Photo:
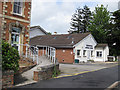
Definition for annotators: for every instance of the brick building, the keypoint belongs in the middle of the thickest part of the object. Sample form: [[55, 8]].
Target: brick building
[[66, 48], [15, 17]]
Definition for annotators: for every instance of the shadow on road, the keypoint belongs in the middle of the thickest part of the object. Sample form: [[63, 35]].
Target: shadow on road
[[19, 79]]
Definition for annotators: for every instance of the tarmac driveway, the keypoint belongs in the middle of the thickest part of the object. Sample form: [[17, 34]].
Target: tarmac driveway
[[98, 80], [72, 69]]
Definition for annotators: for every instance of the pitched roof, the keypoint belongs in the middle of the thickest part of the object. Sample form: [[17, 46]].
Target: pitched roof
[[38, 27], [103, 45], [58, 41]]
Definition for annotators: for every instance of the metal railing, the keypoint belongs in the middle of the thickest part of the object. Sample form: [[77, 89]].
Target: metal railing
[[30, 52], [49, 52], [33, 52]]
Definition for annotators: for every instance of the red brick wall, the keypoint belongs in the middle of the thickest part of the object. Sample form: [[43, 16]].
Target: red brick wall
[[9, 10], [60, 55], [67, 56], [40, 51], [8, 21], [7, 79]]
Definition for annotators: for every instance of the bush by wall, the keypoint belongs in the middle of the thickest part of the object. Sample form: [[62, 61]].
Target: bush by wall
[[10, 57]]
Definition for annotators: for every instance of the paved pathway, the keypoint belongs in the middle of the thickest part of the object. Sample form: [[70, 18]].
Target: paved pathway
[[66, 70], [27, 77], [71, 69]]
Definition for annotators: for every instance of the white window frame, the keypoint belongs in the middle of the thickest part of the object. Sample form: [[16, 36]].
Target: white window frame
[[19, 6], [99, 54], [16, 33]]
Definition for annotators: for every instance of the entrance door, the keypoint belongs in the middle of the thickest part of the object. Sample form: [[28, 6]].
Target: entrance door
[[15, 38]]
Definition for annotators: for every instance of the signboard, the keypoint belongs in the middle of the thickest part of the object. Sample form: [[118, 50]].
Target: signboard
[[89, 47]]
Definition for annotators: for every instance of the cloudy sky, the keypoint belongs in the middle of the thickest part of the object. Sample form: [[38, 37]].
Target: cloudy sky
[[55, 15]]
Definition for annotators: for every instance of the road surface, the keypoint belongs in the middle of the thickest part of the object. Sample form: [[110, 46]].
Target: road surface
[[97, 79]]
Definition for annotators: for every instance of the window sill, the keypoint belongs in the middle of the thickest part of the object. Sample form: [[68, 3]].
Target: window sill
[[78, 56], [99, 57], [17, 14]]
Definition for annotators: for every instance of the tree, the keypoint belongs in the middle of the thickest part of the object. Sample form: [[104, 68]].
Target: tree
[[114, 34], [80, 20], [99, 22], [10, 57], [49, 33]]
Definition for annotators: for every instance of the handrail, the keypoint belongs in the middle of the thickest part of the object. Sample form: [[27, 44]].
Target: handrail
[[32, 52]]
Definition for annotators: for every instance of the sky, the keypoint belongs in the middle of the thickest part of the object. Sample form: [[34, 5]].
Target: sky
[[55, 15]]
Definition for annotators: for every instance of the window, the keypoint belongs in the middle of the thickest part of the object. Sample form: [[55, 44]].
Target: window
[[84, 52], [99, 53], [15, 37], [78, 52], [17, 9]]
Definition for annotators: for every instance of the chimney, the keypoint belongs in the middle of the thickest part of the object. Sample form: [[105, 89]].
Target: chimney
[[55, 33]]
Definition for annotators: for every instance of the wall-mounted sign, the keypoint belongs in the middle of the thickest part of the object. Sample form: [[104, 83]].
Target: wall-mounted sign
[[89, 47]]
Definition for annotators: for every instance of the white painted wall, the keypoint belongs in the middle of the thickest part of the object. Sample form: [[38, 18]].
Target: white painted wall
[[89, 40], [35, 32], [99, 58], [105, 53]]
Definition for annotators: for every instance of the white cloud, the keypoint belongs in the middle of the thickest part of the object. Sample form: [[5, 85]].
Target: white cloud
[[51, 16], [112, 6], [55, 15]]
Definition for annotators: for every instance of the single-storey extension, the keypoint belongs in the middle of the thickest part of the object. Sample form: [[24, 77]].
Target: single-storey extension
[[71, 47]]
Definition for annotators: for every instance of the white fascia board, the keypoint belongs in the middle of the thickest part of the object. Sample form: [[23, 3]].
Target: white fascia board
[[84, 39]]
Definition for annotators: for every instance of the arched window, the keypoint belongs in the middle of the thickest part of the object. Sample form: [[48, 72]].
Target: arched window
[[15, 37]]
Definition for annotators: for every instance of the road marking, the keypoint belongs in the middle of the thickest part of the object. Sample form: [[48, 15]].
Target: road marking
[[83, 72]]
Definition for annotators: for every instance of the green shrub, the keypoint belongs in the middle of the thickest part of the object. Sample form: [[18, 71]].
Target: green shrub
[[55, 72], [90, 60], [10, 57]]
